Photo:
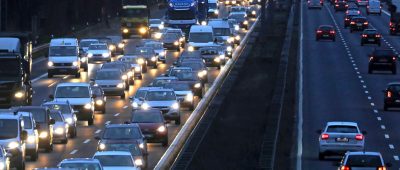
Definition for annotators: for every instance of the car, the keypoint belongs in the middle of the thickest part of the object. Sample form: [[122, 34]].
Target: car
[[136, 67], [171, 41], [137, 99], [240, 18], [68, 113], [391, 96], [382, 59], [160, 81], [111, 81], [152, 125], [363, 160], [5, 158], [340, 137], [148, 54], [166, 101], [212, 56], [325, 32], [374, 7], [348, 17], [111, 160], [159, 50], [13, 137], [127, 74], [180, 33], [358, 23], [100, 100], [64, 58], [253, 10], [80, 96], [370, 36], [340, 5], [200, 68], [194, 80], [45, 124], [234, 25], [222, 30], [60, 127], [122, 133], [237, 9], [117, 45], [315, 4], [85, 43], [351, 6], [171, 72], [111, 45], [32, 142], [98, 52], [184, 93], [80, 163], [156, 23]]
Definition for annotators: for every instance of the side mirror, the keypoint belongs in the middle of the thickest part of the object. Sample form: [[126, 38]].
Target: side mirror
[[130, 98], [364, 132], [52, 121], [37, 126], [97, 137], [92, 79], [51, 96], [175, 63], [319, 131], [388, 164], [94, 95], [24, 135]]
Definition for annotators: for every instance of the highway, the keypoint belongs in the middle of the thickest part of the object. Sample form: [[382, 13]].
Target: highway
[[117, 110], [336, 86]]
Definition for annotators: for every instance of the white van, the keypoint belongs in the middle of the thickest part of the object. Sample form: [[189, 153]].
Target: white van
[[63, 57], [374, 7], [200, 36]]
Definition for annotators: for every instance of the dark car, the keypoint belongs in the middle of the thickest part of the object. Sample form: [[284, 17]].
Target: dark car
[[325, 32], [199, 67], [100, 100], [45, 128], [391, 96], [212, 56], [148, 54], [370, 36], [358, 23], [340, 5], [171, 41], [348, 17], [194, 80], [351, 6], [152, 124], [127, 76], [382, 59], [363, 160]]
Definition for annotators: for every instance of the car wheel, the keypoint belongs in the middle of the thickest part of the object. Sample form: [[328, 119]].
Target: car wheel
[[49, 148], [178, 121], [90, 121], [165, 142], [321, 156]]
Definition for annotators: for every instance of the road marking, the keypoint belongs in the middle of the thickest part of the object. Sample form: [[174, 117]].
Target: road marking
[[372, 104], [366, 92], [117, 114], [375, 111], [396, 157], [387, 136], [383, 127], [86, 141], [38, 60], [98, 131], [52, 84], [360, 77], [369, 98], [300, 96], [125, 107], [65, 77], [108, 122], [379, 118], [391, 146], [38, 78], [73, 152], [364, 86]]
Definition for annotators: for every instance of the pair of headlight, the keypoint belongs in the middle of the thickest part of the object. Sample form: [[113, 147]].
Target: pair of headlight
[[51, 64]]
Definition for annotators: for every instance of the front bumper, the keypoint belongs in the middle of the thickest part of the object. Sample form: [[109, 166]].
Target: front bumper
[[63, 70], [114, 91], [155, 137]]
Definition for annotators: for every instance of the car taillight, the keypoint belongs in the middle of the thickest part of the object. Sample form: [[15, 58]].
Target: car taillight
[[377, 35], [371, 58], [381, 168], [346, 19], [336, 5], [390, 24], [393, 58], [367, 6], [345, 168], [324, 136], [358, 12], [352, 22], [365, 23], [319, 31], [332, 32], [346, 7], [364, 35], [389, 94], [359, 137]]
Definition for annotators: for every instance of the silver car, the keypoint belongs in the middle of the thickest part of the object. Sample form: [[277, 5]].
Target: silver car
[[68, 113], [139, 96], [60, 128], [98, 52], [136, 68], [340, 137], [32, 142], [80, 163], [110, 80], [159, 50]]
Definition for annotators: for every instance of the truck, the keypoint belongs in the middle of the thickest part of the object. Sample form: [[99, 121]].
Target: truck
[[181, 14], [394, 24], [135, 16], [15, 69]]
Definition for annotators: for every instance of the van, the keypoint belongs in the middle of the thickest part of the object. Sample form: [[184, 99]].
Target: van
[[63, 57], [212, 9], [374, 7], [201, 36]]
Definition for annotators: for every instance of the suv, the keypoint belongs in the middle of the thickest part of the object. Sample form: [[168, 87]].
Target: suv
[[366, 160], [340, 137], [32, 142], [68, 112], [13, 136], [110, 80], [391, 96], [382, 59], [80, 96]]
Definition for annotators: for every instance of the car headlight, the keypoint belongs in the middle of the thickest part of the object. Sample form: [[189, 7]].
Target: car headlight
[[221, 56], [233, 2], [59, 130], [130, 74], [124, 77], [237, 27], [253, 12], [162, 53], [197, 85], [191, 48], [229, 49], [203, 23], [68, 120], [176, 43], [141, 145], [237, 37], [153, 58], [189, 97], [138, 162], [19, 95], [121, 45], [87, 106], [90, 55], [161, 129], [216, 12], [125, 30], [140, 61], [230, 39], [217, 59], [102, 146], [181, 39], [111, 47], [99, 102], [13, 145], [31, 139], [135, 105], [120, 85], [142, 30], [145, 106], [43, 135], [106, 55], [137, 69], [50, 64], [75, 63], [175, 106], [161, 26], [245, 22], [158, 35], [83, 59], [200, 74]]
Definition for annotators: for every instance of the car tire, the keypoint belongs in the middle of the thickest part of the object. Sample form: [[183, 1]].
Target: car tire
[[123, 96], [73, 133], [90, 121], [78, 75], [49, 148], [164, 143], [178, 121], [33, 156], [321, 156]]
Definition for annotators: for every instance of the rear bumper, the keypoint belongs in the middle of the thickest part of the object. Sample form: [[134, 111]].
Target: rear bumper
[[113, 92], [339, 149]]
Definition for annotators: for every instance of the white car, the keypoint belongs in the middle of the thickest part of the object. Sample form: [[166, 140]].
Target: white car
[[158, 49], [32, 142], [98, 52], [112, 160], [85, 43], [363, 160], [60, 127]]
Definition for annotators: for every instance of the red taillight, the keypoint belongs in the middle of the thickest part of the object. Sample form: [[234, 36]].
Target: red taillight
[[364, 35], [352, 22], [336, 5], [346, 7], [319, 31], [365, 23], [324, 136], [393, 58], [390, 24], [389, 94], [346, 19], [332, 32], [371, 58], [359, 137], [377, 35], [358, 12], [381, 168], [344, 168], [358, 0]]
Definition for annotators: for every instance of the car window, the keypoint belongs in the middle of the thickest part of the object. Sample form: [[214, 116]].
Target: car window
[[160, 96], [325, 28], [72, 92], [27, 122], [147, 118], [108, 75], [122, 133], [342, 129], [363, 161], [178, 86], [186, 76], [132, 148], [38, 114], [140, 93], [81, 166], [97, 47], [194, 66], [112, 66], [63, 108], [56, 116], [161, 82], [115, 160], [87, 43], [8, 128]]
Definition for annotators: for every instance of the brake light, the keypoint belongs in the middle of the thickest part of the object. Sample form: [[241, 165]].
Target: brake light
[[359, 137], [364, 35], [324, 136], [346, 19], [367, 6], [346, 7], [378, 35], [381, 168], [390, 24], [319, 31], [393, 58], [336, 5], [365, 23], [352, 22], [371, 58], [389, 94], [332, 32], [358, 12], [344, 168]]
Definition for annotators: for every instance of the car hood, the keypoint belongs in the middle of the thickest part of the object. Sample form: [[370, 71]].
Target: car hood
[[75, 101], [119, 141], [118, 167], [58, 125], [169, 40], [63, 59], [154, 25], [108, 82], [161, 103], [182, 93], [97, 51]]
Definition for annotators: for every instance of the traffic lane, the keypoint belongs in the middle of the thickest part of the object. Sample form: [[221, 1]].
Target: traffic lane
[[330, 90]]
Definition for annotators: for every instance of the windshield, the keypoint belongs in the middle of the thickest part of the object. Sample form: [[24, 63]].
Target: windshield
[[27, 122], [238, 17], [182, 76], [132, 148], [147, 118], [63, 51], [178, 86], [364, 161], [38, 114], [160, 96], [115, 160], [170, 36], [129, 59], [56, 116], [212, 5], [113, 65], [140, 93], [153, 45], [81, 166], [160, 82], [87, 43], [63, 108], [143, 51], [122, 133], [181, 14], [98, 47], [135, 13], [155, 21], [342, 129], [194, 66], [222, 31], [9, 69], [201, 37], [175, 72], [72, 92], [8, 128], [108, 75]]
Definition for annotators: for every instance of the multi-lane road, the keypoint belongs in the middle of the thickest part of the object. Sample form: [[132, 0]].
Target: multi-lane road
[[336, 86]]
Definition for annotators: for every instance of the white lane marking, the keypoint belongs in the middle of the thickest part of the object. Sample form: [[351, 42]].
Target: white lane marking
[[300, 99], [98, 131], [369, 98], [65, 77], [383, 127], [366, 92], [117, 114], [372, 104], [396, 157], [362, 81], [108, 122], [38, 78], [387, 136], [379, 118], [38, 60], [375, 111], [358, 72], [73, 152], [391, 146], [360, 77], [125, 107], [86, 141], [52, 84], [364, 86]]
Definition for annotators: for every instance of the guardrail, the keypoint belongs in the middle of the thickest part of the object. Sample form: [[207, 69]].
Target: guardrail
[[40, 47], [177, 144]]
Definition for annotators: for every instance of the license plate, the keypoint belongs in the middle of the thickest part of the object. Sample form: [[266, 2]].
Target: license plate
[[63, 70], [342, 139], [325, 35], [148, 136], [383, 60], [359, 25], [371, 40]]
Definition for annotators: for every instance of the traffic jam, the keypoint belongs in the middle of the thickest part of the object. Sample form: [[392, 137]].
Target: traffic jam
[[115, 101]]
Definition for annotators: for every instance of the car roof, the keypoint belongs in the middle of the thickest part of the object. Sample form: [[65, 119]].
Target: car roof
[[147, 88], [8, 114], [73, 84], [393, 83], [109, 69], [218, 23], [160, 89], [166, 78], [64, 42], [112, 153], [364, 153], [342, 123], [80, 160]]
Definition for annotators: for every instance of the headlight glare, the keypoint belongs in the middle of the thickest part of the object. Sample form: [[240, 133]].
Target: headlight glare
[[120, 85], [191, 48], [135, 105], [125, 30], [124, 77], [50, 64], [90, 54], [189, 97], [197, 85], [19, 95], [59, 131], [121, 45], [106, 55], [145, 106], [175, 106], [176, 43], [99, 102], [161, 129], [75, 63], [88, 106], [142, 30], [153, 58], [43, 135], [68, 120], [138, 162], [31, 139], [102, 146], [13, 145]]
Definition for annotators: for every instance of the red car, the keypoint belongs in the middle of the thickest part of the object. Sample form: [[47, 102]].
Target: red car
[[325, 32], [152, 125]]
